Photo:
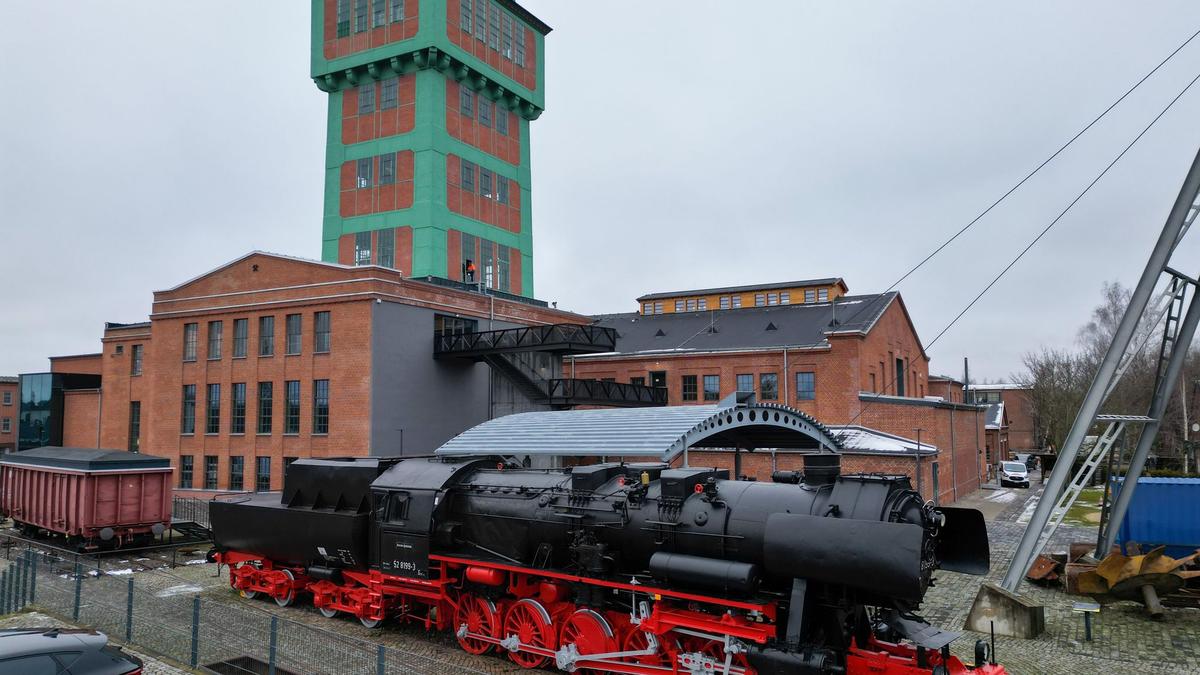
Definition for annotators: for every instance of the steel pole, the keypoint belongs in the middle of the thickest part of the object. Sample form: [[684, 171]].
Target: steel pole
[[1159, 257], [1158, 407]]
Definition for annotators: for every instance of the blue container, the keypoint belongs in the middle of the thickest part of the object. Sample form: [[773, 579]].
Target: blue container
[[1163, 511]]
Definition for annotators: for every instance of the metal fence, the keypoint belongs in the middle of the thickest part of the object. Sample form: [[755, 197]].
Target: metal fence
[[164, 614]]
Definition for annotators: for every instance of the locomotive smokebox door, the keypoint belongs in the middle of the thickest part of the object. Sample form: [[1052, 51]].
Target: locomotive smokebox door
[[403, 548]]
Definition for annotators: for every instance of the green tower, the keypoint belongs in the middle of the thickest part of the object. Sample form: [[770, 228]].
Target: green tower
[[427, 159]]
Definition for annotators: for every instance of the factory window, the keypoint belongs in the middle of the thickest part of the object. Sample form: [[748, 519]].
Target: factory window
[[453, 325], [185, 471], [190, 331], [465, 13], [210, 472], [364, 170], [266, 336], [768, 386], [712, 387], [745, 382], [679, 305], [485, 182], [8, 397], [378, 13], [320, 407], [466, 100], [188, 418], [810, 295], [485, 112], [772, 298], [343, 18], [216, 334], [760, 300], [237, 472], [702, 304], [397, 10], [469, 251], [291, 409], [212, 412], [737, 301], [519, 57], [266, 406], [387, 248], [640, 381], [689, 387], [6, 425], [503, 258], [237, 408], [135, 425], [899, 377], [823, 295], [387, 169], [262, 474], [137, 352], [725, 302], [658, 308], [366, 98], [489, 263], [467, 179], [389, 93], [362, 248], [481, 8], [360, 15], [293, 324], [502, 121], [494, 25], [322, 326], [658, 379], [872, 377], [241, 335], [806, 386], [501, 189], [506, 44], [647, 308], [691, 304], [785, 298]]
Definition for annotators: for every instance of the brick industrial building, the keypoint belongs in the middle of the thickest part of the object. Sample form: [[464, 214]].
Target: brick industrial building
[[1019, 425], [10, 399]]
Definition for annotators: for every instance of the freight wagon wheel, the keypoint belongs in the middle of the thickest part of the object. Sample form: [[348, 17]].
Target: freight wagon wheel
[[636, 640], [530, 622], [287, 600], [479, 615], [590, 633]]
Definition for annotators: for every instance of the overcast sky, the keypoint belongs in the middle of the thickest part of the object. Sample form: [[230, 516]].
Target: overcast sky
[[684, 144]]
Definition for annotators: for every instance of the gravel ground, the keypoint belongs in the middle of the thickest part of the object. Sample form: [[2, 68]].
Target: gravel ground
[[152, 666]]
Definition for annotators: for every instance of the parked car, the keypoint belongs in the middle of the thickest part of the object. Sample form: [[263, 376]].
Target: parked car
[[1014, 473], [54, 651]]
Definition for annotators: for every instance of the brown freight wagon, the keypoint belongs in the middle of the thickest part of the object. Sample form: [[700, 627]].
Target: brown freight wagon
[[92, 497]]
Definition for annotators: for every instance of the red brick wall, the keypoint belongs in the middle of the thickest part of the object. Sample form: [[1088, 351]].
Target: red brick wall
[[121, 386], [356, 201], [88, 364], [470, 131], [951, 390], [526, 76], [8, 441], [471, 204], [358, 128], [81, 409], [1022, 434], [404, 251], [336, 47]]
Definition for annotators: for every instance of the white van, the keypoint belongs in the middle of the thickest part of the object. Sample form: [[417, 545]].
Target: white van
[[1014, 473]]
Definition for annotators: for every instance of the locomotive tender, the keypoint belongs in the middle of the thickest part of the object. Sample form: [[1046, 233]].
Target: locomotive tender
[[612, 567]]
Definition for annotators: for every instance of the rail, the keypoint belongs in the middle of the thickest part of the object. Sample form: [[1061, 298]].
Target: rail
[[563, 338]]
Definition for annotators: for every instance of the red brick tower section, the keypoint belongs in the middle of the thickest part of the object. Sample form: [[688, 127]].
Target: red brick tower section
[[10, 403]]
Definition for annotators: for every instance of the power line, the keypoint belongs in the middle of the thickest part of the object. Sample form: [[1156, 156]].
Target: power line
[[1036, 169], [1045, 230]]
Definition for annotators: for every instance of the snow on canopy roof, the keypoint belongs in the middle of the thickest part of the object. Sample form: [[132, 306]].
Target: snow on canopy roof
[[664, 431], [858, 439], [994, 416]]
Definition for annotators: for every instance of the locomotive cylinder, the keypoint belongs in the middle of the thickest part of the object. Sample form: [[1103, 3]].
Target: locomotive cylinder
[[717, 575]]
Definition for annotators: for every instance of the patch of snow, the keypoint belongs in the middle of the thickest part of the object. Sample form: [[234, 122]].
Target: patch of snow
[[200, 561], [118, 573], [1003, 496], [1027, 514], [177, 590]]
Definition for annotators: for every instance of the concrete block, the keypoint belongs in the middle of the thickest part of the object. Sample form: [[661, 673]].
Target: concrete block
[[1009, 614]]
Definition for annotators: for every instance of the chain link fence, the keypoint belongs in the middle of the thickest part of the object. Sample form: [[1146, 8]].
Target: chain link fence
[[165, 614]]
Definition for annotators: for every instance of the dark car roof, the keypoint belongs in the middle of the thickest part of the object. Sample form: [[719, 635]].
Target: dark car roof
[[27, 641]]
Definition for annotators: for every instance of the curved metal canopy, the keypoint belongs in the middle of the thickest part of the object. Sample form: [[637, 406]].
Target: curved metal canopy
[[664, 432]]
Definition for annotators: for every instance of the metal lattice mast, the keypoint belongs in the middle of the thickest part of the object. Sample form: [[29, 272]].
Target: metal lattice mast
[[1182, 213]]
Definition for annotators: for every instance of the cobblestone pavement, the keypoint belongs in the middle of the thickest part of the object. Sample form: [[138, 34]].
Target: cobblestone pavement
[[1124, 640], [151, 665]]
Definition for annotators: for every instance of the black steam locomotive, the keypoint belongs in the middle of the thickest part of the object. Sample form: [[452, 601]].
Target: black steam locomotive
[[629, 568]]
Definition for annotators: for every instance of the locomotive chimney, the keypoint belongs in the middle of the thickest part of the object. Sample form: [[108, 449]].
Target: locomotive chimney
[[821, 469]]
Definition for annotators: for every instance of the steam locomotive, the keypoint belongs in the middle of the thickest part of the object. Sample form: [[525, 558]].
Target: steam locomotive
[[613, 567]]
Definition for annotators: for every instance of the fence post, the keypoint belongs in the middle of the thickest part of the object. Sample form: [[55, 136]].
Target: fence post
[[381, 666], [274, 645], [195, 631], [33, 579], [4, 591], [129, 611], [24, 591], [19, 586], [78, 589]]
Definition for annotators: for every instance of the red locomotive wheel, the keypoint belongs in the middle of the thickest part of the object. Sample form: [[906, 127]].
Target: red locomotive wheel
[[288, 598], [716, 650], [635, 641], [249, 595], [589, 632], [479, 615], [530, 622]]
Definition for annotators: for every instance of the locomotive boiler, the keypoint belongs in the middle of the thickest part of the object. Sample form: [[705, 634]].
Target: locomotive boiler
[[631, 568]]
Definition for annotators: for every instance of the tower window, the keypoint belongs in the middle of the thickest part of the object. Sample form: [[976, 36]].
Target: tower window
[[466, 100], [387, 169], [397, 10], [502, 121], [378, 13], [389, 94], [494, 33], [362, 248], [502, 189], [366, 167], [467, 179], [503, 257], [506, 47], [387, 248], [465, 12], [481, 9], [360, 15], [485, 112], [343, 18], [519, 57], [485, 182], [366, 98]]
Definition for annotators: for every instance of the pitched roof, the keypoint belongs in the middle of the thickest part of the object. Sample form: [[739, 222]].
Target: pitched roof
[[8, 379], [745, 289], [994, 416], [750, 328], [860, 439]]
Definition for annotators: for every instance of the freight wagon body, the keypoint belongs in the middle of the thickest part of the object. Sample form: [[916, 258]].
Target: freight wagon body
[[92, 497]]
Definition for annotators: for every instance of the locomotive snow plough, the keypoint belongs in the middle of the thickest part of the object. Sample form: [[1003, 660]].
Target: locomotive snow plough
[[612, 567]]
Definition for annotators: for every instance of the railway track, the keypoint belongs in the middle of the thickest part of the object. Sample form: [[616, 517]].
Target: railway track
[[171, 551]]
